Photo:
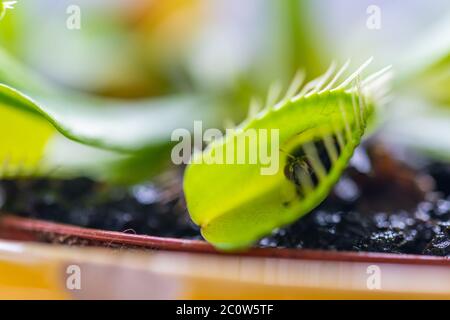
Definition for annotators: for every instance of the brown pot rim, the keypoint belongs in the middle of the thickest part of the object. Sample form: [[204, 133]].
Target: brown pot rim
[[19, 228]]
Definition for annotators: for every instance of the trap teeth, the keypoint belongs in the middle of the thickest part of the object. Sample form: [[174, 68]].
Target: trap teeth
[[340, 139], [322, 84], [323, 80], [356, 112], [336, 77], [254, 108], [361, 103], [314, 160], [307, 88], [348, 132], [273, 95], [376, 75], [330, 145], [353, 76], [294, 86]]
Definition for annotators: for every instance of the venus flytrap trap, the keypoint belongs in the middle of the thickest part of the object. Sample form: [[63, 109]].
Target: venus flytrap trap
[[319, 125]]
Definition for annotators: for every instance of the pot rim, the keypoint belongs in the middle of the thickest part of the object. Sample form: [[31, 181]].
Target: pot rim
[[28, 229]]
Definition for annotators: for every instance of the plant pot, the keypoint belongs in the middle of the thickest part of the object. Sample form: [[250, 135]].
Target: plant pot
[[25, 229], [202, 272]]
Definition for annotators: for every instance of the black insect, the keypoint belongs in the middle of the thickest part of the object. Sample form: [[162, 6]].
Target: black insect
[[299, 167]]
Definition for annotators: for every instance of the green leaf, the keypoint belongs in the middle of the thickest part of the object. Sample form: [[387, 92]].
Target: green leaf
[[132, 141], [235, 204], [110, 124], [419, 125], [133, 137], [421, 118], [24, 137], [426, 67], [32, 146]]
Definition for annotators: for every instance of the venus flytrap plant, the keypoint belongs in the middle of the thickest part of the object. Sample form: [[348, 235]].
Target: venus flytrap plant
[[320, 125]]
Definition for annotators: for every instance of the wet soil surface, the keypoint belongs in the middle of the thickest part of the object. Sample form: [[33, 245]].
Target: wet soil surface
[[387, 201]]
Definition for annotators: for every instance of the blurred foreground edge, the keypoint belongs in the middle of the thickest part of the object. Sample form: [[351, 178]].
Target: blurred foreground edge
[[114, 265]]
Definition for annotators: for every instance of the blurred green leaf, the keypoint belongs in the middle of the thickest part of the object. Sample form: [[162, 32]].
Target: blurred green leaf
[[419, 116], [426, 66], [420, 125], [137, 132]]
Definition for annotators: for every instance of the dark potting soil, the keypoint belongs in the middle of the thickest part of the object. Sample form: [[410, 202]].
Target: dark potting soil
[[141, 209], [379, 205]]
